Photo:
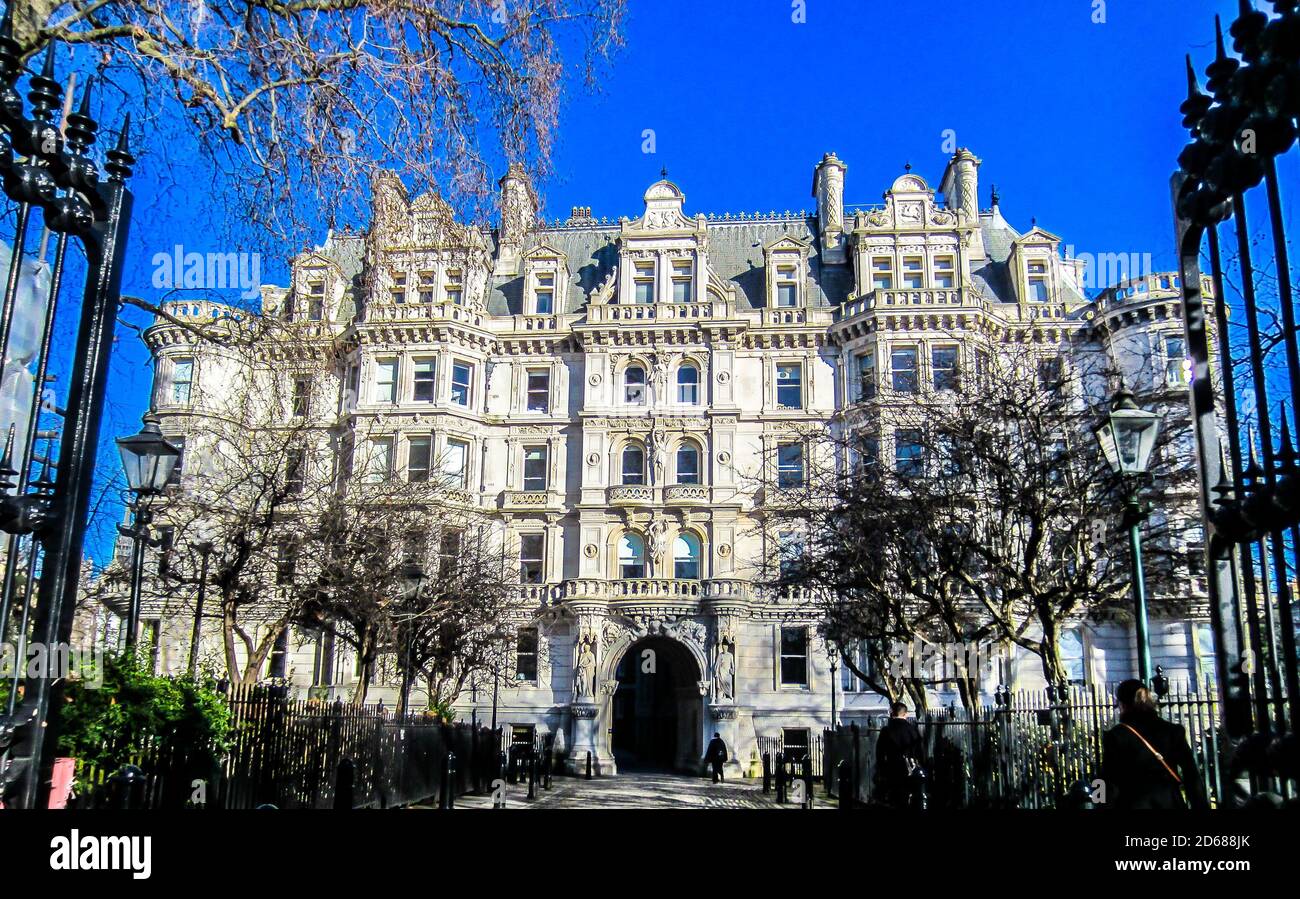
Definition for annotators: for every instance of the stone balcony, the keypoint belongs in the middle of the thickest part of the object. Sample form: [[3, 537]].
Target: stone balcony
[[422, 312], [531, 499], [629, 495], [655, 312], [686, 494], [676, 591]]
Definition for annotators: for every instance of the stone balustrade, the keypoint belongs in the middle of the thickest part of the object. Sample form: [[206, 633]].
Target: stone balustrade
[[420, 312], [686, 494], [629, 495]]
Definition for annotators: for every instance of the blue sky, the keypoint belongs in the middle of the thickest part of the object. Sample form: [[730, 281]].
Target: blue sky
[[1076, 122]]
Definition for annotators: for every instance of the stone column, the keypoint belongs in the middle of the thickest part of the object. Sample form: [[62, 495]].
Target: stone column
[[588, 695]]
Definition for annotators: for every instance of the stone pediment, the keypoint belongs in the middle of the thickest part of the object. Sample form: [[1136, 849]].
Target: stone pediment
[[909, 205], [1036, 235], [663, 210]]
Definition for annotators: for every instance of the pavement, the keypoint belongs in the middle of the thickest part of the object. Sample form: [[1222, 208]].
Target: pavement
[[638, 790]]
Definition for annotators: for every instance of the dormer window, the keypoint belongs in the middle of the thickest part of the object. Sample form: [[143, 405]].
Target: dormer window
[[426, 287], [634, 385], [399, 287], [455, 289], [882, 273], [644, 282], [787, 286], [944, 272], [913, 273], [544, 295], [682, 281], [316, 305], [1038, 282]]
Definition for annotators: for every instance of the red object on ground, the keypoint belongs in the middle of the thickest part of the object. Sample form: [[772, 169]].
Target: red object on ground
[[61, 783]]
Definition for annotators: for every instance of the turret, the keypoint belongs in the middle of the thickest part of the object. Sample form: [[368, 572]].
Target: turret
[[828, 188], [518, 204]]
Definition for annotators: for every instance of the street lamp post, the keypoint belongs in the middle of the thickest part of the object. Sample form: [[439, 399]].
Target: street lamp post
[[1127, 437], [148, 460], [205, 550]]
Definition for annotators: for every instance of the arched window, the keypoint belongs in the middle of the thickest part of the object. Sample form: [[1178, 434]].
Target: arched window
[[688, 463], [631, 556], [688, 385], [633, 464], [634, 385], [686, 557]]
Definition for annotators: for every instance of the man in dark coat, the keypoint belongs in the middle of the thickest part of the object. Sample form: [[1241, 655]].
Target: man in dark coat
[[1146, 762], [716, 755], [899, 750]]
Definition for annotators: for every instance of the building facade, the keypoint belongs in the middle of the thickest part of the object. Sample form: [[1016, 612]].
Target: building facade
[[613, 394]]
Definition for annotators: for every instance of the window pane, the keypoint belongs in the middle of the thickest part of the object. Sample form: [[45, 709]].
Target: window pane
[[631, 556], [789, 386], [386, 381], [539, 391], [453, 463], [424, 380], [909, 454], [902, 364], [534, 468], [688, 385], [531, 555], [789, 465], [634, 385], [461, 372], [686, 557], [418, 458], [688, 465], [794, 656], [866, 376], [943, 365], [633, 465], [182, 379]]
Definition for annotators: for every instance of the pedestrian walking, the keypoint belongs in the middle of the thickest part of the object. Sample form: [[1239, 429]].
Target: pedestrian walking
[[1146, 761], [899, 754], [716, 755]]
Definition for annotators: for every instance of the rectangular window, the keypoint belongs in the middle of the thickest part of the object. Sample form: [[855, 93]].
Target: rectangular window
[[634, 385], [882, 273], [166, 543], [455, 290], [1038, 282], [179, 469], [532, 558], [449, 549], [943, 367], [1050, 373], [868, 453], [399, 288], [794, 656], [794, 743], [301, 397], [526, 654], [539, 390], [644, 282], [913, 273], [867, 376], [789, 386], [426, 287], [454, 467], [295, 471], [787, 287], [386, 381], [789, 465], [1073, 655], [419, 459], [535, 465], [1177, 366], [316, 307], [379, 464], [909, 453], [902, 368], [943, 272], [849, 681], [789, 550], [462, 374], [424, 380], [182, 381], [682, 282], [286, 563], [544, 297]]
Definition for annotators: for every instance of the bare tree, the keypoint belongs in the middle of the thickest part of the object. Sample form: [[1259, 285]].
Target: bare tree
[[292, 107], [981, 511]]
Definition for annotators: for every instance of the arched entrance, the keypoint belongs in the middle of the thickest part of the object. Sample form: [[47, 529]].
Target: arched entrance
[[655, 722]]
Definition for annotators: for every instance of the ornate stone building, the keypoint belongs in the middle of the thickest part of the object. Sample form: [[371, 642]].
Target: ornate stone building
[[610, 393]]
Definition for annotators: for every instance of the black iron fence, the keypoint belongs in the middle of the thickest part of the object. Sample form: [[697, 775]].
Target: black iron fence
[[305, 754], [795, 750], [1250, 476], [1038, 752]]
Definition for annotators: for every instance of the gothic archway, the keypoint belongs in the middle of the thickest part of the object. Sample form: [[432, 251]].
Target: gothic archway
[[656, 714]]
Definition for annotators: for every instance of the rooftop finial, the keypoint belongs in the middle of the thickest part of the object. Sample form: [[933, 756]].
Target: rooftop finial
[[663, 173], [907, 167], [995, 196]]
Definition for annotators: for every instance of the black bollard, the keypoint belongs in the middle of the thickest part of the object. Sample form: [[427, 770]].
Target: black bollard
[[780, 778], [807, 782], [588, 765], [344, 781], [842, 784], [548, 763], [767, 773]]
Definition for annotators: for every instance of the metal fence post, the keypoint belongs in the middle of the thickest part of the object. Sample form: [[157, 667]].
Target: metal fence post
[[767, 773], [588, 764], [344, 783]]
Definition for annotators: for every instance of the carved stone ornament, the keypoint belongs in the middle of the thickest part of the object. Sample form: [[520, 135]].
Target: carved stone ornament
[[593, 459], [724, 549], [724, 377], [590, 550], [724, 457], [583, 710], [723, 712], [594, 378]]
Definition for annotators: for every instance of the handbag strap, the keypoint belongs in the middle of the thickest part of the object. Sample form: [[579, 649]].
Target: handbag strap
[[1159, 758]]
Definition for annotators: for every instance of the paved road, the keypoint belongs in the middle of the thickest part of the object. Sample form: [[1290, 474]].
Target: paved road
[[637, 790]]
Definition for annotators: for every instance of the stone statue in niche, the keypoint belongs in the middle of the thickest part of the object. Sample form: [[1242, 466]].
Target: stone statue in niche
[[724, 673], [584, 670], [655, 541], [659, 454]]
